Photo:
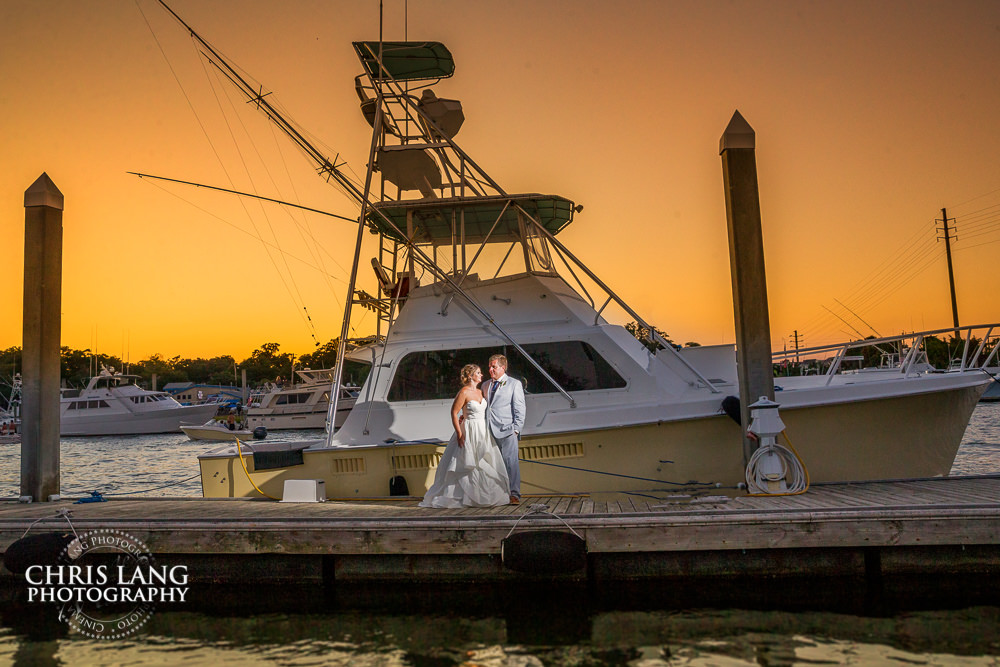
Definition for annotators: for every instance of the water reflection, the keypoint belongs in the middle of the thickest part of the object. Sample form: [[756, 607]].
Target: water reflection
[[615, 638], [504, 625]]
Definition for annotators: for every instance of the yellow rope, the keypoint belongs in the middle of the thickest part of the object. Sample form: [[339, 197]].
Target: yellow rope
[[239, 451]]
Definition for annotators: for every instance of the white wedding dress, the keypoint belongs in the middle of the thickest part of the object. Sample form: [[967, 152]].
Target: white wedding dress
[[473, 475]]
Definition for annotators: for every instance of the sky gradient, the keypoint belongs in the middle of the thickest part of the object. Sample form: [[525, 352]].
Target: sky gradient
[[870, 117]]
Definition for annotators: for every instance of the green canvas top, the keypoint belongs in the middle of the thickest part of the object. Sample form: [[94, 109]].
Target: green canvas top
[[432, 218], [407, 61]]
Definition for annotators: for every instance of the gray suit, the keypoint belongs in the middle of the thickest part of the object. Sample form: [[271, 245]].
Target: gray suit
[[505, 416]]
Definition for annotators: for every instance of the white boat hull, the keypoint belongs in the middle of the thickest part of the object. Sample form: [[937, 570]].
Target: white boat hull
[[908, 436], [275, 421], [139, 423], [287, 421], [213, 432]]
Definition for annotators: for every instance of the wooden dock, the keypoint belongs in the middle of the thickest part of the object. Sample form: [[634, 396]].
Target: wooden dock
[[947, 525]]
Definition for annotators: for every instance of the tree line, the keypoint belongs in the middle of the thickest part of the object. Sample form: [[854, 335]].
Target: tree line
[[265, 364]]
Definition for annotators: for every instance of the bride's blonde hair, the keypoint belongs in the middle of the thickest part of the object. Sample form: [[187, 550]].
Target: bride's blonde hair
[[467, 371]]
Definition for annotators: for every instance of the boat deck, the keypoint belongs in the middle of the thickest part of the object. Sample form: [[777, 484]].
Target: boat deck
[[929, 525]]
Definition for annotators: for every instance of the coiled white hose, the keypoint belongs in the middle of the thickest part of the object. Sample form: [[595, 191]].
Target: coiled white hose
[[793, 471]]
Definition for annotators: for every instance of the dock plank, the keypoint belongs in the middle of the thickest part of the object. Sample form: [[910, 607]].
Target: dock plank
[[974, 491], [560, 506], [947, 512], [927, 493], [836, 497]]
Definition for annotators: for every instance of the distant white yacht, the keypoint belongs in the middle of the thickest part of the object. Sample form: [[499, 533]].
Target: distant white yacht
[[301, 405], [113, 404]]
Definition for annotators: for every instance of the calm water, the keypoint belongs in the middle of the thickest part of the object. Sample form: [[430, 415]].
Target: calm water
[[804, 624]]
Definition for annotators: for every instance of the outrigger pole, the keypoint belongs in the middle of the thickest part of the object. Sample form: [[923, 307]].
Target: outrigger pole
[[258, 97], [242, 194]]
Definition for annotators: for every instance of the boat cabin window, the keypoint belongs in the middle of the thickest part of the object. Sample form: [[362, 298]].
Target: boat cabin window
[[147, 398], [86, 405], [291, 399], [355, 373], [575, 365]]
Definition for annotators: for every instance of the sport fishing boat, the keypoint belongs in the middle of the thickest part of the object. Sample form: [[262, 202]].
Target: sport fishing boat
[[466, 269], [114, 404]]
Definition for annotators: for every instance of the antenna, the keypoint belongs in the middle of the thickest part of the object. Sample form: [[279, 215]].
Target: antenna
[[859, 317], [861, 335]]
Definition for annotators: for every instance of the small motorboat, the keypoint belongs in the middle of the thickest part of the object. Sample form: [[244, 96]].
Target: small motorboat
[[218, 430]]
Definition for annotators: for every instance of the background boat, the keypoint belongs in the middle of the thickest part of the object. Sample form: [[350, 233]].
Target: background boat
[[113, 404], [217, 430], [304, 404]]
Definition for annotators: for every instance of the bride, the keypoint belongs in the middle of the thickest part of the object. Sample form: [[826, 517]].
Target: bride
[[471, 472]]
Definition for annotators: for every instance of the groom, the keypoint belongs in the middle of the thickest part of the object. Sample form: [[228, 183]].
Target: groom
[[506, 418]]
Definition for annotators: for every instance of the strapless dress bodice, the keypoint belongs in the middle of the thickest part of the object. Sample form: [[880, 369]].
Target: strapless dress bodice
[[475, 410]]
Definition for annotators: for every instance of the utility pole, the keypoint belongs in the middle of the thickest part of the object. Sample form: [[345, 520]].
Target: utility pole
[[951, 271], [795, 339]]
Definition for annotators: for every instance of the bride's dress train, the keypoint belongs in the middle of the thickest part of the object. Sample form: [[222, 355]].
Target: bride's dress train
[[473, 475]]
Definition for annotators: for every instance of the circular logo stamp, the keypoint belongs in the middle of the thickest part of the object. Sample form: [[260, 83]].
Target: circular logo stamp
[[105, 583], [104, 591]]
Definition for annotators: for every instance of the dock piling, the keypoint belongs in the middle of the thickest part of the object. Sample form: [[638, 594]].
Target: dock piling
[[43, 208], [746, 260]]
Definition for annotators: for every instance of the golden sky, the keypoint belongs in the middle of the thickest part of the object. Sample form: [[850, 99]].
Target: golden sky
[[870, 117]]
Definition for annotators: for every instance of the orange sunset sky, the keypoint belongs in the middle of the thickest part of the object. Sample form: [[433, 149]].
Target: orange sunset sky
[[870, 117]]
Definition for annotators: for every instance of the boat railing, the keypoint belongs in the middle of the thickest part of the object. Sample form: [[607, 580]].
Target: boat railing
[[977, 349], [696, 377]]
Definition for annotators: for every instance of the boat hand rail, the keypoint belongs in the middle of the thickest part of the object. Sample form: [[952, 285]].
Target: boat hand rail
[[657, 338], [597, 315], [421, 257], [479, 250], [580, 284], [967, 361]]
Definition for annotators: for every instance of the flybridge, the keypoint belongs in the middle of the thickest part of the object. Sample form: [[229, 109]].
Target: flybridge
[[458, 204]]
